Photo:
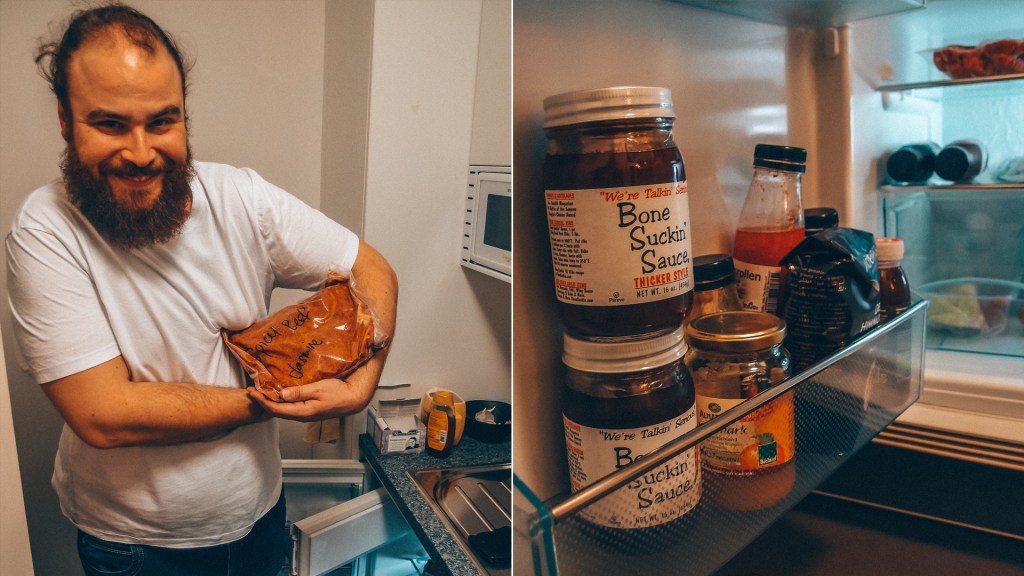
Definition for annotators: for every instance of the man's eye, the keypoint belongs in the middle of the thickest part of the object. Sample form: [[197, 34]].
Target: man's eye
[[109, 125], [160, 123]]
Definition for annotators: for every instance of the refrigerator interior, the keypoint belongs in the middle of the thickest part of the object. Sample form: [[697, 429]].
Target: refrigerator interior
[[741, 80], [965, 241]]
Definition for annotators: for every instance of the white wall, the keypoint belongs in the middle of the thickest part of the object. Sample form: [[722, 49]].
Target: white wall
[[453, 324], [258, 100], [14, 544]]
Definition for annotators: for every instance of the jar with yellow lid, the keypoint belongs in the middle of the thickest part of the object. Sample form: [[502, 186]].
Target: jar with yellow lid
[[733, 356]]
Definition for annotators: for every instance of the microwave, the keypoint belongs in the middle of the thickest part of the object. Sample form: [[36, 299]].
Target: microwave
[[487, 228]]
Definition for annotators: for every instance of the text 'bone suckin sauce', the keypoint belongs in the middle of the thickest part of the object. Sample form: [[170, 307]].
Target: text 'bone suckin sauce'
[[623, 400], [618, 212]]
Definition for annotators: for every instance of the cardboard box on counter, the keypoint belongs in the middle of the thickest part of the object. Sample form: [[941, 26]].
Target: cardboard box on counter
[[395, 426]]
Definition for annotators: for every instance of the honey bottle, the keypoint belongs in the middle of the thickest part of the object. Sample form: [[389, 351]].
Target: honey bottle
[[441, 424]]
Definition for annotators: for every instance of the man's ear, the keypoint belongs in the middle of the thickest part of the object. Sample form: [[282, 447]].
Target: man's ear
[[63, 118]]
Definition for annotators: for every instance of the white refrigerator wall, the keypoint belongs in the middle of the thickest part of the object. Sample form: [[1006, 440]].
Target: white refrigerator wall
[[271, 101], [729, 90]]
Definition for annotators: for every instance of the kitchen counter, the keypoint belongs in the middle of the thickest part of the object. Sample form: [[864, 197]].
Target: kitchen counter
[[392, 472]]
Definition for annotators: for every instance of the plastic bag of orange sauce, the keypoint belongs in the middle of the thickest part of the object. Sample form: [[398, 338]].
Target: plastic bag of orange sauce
[[327, 335]]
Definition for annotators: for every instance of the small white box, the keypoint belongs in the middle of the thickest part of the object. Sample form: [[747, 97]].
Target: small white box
[[395, 427]]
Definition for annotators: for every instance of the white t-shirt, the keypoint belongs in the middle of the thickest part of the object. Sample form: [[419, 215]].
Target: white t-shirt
[[78, 302]]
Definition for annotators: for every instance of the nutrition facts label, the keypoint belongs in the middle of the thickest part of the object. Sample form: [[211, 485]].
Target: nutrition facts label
[[613, 246]]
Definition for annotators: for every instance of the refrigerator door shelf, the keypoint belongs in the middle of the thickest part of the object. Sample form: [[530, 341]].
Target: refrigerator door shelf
[[842, 402], [804, 14], [337, 526]]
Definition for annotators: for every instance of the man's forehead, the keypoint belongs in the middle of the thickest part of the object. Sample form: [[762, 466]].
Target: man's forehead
[[112, 63], [113, 41]]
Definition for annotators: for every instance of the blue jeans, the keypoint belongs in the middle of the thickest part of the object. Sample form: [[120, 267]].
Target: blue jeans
[[259, 553]]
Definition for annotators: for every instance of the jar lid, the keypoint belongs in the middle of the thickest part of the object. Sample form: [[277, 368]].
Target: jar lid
[[818, 219], [713, 271], [622, 356], [789, 158], [736, 331], [615, 103], [889, 249]]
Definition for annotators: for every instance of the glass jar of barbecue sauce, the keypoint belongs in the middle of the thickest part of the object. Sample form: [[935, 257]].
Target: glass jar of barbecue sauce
[[618, 212], [622, 401]]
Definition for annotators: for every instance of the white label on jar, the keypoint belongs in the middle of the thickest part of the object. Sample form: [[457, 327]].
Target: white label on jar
[[658, 496], [617, 246], [758, 286]]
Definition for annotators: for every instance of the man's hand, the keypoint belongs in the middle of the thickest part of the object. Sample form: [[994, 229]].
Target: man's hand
[[320, 400]]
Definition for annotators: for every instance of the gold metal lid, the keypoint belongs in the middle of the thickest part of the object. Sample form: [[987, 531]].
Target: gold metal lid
[[735, 331]]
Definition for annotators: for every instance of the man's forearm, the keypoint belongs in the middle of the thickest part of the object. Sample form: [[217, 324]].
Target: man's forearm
[[156, 413], [107, 410]]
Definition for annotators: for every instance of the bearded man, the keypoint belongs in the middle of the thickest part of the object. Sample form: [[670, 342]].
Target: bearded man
[[122, 275]]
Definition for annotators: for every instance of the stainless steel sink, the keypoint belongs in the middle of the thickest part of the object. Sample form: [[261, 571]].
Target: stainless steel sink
[[472, 502]]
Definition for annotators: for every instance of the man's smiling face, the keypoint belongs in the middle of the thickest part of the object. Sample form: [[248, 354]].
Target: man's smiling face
[[127, 166]]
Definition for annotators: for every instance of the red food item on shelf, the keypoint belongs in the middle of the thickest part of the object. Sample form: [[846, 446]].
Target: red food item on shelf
[[992, 58]]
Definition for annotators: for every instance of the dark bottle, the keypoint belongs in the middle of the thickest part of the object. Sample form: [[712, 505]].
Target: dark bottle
[[913, 163], [818, 219], [961, 161], [894, 290], [617, 212]]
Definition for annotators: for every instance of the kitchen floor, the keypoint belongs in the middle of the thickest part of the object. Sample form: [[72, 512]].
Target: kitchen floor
[[824, 536]]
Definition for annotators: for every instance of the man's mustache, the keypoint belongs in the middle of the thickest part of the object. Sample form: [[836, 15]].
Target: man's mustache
[[129, 170]]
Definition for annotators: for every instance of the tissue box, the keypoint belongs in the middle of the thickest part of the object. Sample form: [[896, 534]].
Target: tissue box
[[395, 427]]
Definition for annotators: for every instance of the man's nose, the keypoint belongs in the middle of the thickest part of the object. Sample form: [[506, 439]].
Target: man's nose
[[138, 150]]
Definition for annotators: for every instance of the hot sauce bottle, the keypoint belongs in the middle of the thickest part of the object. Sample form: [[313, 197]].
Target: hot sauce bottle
[[617, 212], [771, 224]]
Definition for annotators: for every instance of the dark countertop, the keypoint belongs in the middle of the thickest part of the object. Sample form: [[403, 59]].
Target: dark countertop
[[392, 471]]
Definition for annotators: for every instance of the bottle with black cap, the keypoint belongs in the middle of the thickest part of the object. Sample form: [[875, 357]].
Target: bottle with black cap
[[771, 224], [913, 163], [714, 288], [819, 219], [961, 161]]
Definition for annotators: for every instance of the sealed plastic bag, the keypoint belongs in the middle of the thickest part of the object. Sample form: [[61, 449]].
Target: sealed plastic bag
[[831, 293], [327, 335]]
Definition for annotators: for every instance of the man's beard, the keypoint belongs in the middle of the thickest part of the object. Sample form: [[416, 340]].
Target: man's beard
[[123, 226]]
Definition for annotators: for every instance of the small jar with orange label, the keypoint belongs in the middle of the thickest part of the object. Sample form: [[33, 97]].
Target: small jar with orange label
[[733, 356]]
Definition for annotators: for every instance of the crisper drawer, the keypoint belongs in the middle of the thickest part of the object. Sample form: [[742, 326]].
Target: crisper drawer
[[841, 403]]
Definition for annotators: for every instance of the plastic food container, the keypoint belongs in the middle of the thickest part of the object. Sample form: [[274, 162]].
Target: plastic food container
[[427, 402], [971, 306], [992, 58]]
